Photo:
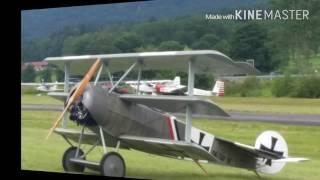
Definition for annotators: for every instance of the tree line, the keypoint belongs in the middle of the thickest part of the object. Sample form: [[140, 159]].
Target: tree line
[[274, 45]]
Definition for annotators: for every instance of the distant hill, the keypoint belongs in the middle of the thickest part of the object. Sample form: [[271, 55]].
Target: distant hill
[[42, 22]]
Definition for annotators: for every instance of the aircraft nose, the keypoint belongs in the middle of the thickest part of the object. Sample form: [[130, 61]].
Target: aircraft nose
[[79, 113]]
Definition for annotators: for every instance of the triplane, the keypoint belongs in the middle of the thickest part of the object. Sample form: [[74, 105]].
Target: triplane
[[143, 122]]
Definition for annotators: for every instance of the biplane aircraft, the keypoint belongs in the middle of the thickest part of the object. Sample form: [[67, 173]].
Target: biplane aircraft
[[144, 122]]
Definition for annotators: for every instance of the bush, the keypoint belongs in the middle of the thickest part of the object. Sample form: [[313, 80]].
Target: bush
[[232, 88], [281, 86], [303, 87], [306, 87], [250, 87], [287, 86]]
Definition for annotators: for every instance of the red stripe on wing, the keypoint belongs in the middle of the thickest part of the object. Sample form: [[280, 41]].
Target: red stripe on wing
[[170, 127]]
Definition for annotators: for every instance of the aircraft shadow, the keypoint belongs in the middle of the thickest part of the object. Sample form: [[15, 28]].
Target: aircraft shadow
[[189, 175]]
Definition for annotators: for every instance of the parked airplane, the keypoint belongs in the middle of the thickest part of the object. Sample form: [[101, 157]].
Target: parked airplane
[[149, 86], [174, 87], [143, 122], [217, 90], [45, 86], [48, 88]]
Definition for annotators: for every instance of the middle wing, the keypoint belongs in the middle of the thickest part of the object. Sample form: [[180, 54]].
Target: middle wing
[[62, 96], [177, 104]]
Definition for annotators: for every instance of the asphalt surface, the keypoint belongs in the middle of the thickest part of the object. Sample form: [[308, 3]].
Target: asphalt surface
[[298, 119]]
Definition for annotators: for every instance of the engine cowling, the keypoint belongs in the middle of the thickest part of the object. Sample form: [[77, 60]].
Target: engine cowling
[[273, 142], [79, 113]]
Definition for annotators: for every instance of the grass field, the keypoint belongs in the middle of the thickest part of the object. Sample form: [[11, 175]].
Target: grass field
[[38, 154], [250, 104], [270, 104], [34, 99], [42, 155]]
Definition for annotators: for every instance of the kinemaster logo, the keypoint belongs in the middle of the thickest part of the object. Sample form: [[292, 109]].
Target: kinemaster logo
[[259, 14]]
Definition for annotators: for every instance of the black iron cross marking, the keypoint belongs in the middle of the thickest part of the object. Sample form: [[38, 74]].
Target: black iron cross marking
[[273, 144], [200, 141]]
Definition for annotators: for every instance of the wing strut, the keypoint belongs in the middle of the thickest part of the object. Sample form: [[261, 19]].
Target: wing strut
[[66, 90], [139, 77], [98, 75], [203, 169], [123, 76], [188, 109], [110, 77]]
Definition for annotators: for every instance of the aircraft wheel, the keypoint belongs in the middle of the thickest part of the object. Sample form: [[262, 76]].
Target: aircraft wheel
[[69, 166], [112, 164]]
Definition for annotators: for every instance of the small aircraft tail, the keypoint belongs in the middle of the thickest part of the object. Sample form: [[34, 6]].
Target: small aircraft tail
[[273, 142], [55, 87], [176, 80], [218, 88]]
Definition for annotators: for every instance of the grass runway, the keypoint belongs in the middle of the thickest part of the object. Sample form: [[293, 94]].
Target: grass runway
[[39, 154]]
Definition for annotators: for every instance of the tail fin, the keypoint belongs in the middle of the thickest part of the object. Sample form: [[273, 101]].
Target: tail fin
[[176, 80], [218, 88], [55, 86], [291, 159], [275, 143]]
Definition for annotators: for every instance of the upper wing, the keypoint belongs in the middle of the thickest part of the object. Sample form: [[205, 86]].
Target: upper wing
[[177, 104], [205, 61]]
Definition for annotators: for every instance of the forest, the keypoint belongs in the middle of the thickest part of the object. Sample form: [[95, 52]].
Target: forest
[[286, 47]]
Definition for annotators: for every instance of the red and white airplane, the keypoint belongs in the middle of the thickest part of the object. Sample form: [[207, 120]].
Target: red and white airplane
[[174, 87], [150, 86]]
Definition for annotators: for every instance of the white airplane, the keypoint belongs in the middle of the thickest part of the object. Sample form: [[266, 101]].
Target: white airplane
[[149, 86], [45, 87], [174, 87], [217, 90], [48, 88]]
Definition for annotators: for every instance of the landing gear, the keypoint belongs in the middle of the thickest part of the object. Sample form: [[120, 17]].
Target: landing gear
[[112, 164], [70, 166]]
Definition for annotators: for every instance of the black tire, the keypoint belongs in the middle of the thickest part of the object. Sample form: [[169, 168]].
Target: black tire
[[69, 166], [112, 164]]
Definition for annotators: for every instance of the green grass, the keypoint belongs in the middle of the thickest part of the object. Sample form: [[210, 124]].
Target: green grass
[[274, 105], [315, 61], [34, 99], [42, 155]]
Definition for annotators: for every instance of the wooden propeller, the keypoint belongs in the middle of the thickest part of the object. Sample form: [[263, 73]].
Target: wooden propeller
[[77, 93]]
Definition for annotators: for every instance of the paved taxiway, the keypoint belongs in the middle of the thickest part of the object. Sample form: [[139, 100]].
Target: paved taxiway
[[299, 119]]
